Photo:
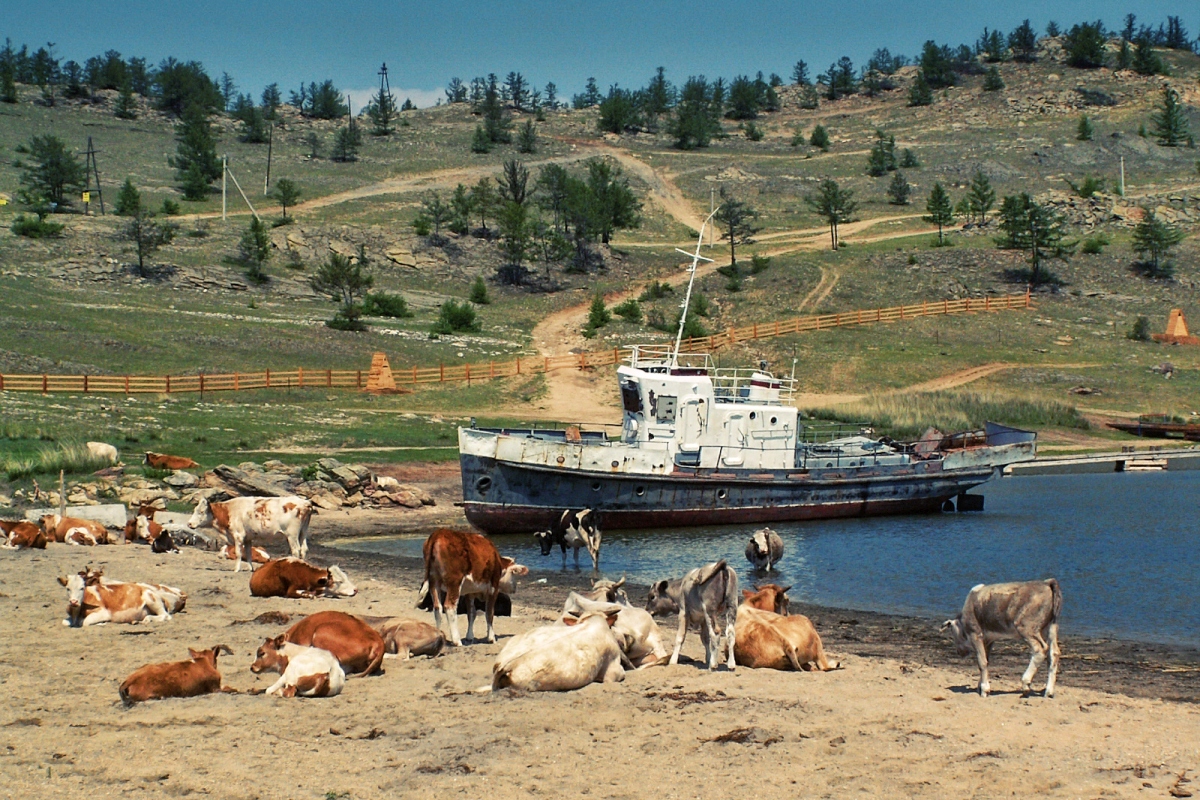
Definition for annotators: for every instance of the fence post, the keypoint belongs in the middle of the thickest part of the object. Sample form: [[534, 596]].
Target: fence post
[[358, 380], [201, 384], [442, 373], [467, 370], [546, 365], [268, 379], [85, 384], [126, 384], [616, 356], [1, 381], [237, 385], [987, 302], [583, 361], [491, 370], [329, 378], [168, 384], [518, 365], [1028, 299], [45, 384]]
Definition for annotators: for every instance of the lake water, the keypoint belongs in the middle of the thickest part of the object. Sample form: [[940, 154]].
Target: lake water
[[1124, 547]]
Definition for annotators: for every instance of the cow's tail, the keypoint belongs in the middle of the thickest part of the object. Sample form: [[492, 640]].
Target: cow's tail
[[1056, 602]]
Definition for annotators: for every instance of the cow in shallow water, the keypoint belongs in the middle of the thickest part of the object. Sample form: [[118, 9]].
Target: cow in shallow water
[[1027, 610], [764, 550], [577, 530]]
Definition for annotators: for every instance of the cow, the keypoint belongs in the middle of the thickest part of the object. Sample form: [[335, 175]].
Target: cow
[[769, 597], [574, 529], [304, 671], [404, 638], [291, 577], [358, 647], [176, 678], [561, 657], [766, 640], [102, 451], [25, 535], [607, 591], [94, 600], [162, 461], [764, 550], [385, 482], [503, 603], [242, 518], [74, 531], [700, 597], [257, 554], [1025, 610], [464, 563], [635, 631]]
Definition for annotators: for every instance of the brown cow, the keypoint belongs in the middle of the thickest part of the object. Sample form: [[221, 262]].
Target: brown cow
[[357, 646], [163, 461], [291, 577], [462, 562], [406, 638], [24, 535], [176, 678], [769, 597], [766, 640], [72, 530]]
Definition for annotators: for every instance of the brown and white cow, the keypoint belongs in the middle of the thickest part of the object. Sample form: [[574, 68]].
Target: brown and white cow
[[163, 461], [243, 518], [92, 599], [405, 638], [1025, 610], [24, 535], [764, 549], [291, 577], [466, 563], [190, 678], [768, 597], [560, 657], [357, 646], [72, 530], [304, 671], [257, 554], [766, 640]]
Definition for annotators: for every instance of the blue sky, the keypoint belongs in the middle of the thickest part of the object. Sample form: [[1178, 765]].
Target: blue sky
[[564, 41]]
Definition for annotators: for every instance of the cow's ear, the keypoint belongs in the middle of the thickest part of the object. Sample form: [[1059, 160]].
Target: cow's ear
[[785, 590], [280, 640], [611, 619], [661, 586], [197, 653], [947, 624], [746, 593], [62, 580], [570, 621]]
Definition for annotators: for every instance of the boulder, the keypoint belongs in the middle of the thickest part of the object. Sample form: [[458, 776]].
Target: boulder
[[110, 515], [144, 497], [405, 498], [181, 480], [326, 501], [195, 496], [354, 499], [347, 477], [251, 483], [328, 464], [417, 492]]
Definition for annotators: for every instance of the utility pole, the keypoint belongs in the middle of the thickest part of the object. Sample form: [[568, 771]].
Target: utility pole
[[89, 170], [1122, 190], [270, 142], [224, 172], [712, 197]]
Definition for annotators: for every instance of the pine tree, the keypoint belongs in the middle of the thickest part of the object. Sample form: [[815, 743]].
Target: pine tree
[[480, 142], [940, 210], [287, 193], [344, 279], [1170, 123], [8, 84], [129, 200], [483, 201], [920, 94], [195, 152], [1026, 225], [52, 176], [800, 74], [1154, 238], [833, 204], [992, 82], [898, 190], [479, 292], [1145, 61], [126, 105], [527, 138], [819, 138], [460, 210], [272, 99], [980, 196], [382, 111], [1023, 43], [346, 142], [1085, 130], [882, 158], [254, 248], [147, 236], [598, 314], [737, 220], [194, 183]]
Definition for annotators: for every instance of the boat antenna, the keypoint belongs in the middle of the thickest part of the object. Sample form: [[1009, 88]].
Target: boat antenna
[[687, 298]]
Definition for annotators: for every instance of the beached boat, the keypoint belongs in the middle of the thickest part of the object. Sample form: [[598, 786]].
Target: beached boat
[[700, 445]]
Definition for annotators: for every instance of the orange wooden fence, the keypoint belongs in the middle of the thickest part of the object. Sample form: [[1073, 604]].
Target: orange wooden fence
[[466, 373]]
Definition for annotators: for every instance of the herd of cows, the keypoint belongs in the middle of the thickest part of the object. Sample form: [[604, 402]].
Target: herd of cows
[[597, 637]]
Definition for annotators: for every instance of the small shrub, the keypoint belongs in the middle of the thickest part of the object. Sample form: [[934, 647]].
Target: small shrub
[[909, 159], [343, 321], [798, 138], [759, 263], [382, 304], [1089, 186], [753, 132], [655, 290], [819, 138], [1094, 245], [656, 320], [422, 225], [281, 221], [1140, 332], [479, 292], [170, 208], [734, 284], [455, 317], [309, 473], [700, 306], [630, 311], [36, 227], [912, 259], [598, 314]]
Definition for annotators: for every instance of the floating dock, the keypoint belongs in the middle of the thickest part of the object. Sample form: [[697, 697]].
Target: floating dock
[[1157, 460]]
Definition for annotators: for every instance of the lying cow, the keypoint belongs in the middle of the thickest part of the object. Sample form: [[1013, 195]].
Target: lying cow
[[102, 451], [465, 563], [95, 600], [243, 518], [357, 646], [608, 591], [176, 678], [257, 554], [764, 550], [24, 535], [304, 671], [1028, 611], [561, 657], [291, 577], [72, 530], [766, 640], [769, 597], [163, 461], [700, 598], [404, 638], [634, 630], [574, 529]]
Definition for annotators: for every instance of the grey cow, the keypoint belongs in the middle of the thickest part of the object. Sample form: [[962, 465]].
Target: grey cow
[[764, 549], [700, 597], [1027, 610]]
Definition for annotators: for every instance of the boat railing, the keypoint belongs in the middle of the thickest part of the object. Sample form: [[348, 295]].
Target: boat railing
[[806, 457], [662, 357], [738, 385]]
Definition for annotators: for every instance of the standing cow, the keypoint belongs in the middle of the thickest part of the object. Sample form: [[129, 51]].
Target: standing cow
[[701, 597], [243, 518], [1028, 610], [462, 562], [764, 550], [574, 529]]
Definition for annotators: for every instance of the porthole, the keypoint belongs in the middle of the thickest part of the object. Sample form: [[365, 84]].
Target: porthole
[[828, 464], [753, 415], [774, 420], [616, 464], [483, 484], [640, 491], [722, 494], [560, 459], [595, 486]]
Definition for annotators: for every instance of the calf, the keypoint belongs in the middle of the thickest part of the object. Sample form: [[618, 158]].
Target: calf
[[700, 597], [291, 577], [175, 679], [74, 531], [357, 646], [770, 597], [304, 671], [764, 550], [404, 638], [257, 554], [94, 600], [163, 461], [243, 518], [23, 535], [1028, 611], [102, 451], [464, 563], [561, 657], [766, 640], [574, 529], [635, 631]]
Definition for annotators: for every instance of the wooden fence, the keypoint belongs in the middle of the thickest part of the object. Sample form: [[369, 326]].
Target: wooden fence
[[466, 373]]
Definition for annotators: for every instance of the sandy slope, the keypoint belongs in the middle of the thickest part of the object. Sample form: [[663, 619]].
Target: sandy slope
[[878, 727]]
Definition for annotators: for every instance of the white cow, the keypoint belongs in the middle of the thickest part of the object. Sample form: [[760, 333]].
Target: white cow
[[306, 671], [243, 518], [560, 657], [635, 631], [103, 451]]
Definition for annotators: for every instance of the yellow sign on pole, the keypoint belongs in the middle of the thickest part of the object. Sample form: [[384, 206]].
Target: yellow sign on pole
[[87, 197]]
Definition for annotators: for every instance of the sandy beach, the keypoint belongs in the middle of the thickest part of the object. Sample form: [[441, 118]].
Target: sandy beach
[[900, 719]]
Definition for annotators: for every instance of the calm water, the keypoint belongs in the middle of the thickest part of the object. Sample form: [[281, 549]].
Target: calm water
[[1124, 547]]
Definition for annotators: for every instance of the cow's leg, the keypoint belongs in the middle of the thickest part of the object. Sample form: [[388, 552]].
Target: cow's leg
[[471, 618], [437, 605], [1039, 655], [681, 633], [238, 542], [712, 641], [1052, 675], [563, 545], [575, 547], [490, 611], [451, 609], [981, 656], [730, 636]]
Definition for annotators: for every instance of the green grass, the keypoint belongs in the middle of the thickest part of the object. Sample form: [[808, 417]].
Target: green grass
[[72, 458]]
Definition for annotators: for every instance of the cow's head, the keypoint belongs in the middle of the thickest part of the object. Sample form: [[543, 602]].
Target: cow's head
[[339, 585], [49, 523], [605, 611], [762, 547], [958, 635], [76, 590], [270, 656], [770, 597], [510, 570], [202, 516], [209, 656], [545, 540], [659, 602], [163, 543], [613, 593]]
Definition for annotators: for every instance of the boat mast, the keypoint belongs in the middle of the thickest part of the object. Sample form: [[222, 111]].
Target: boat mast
[[687, 298]]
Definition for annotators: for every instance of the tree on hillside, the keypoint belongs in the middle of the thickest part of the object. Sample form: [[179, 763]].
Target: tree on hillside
[[129, 200], [436, 212], [939, 209], [1170, 123], [898, 190], [456, 91], [272, 99], [228, 91], [658, 98], [937, 66], [8, 84], [1145, 61], [179, 86], [1154, 239], [320, 101], [1084, 131], [287, 193], [833, 204], [993, 46], [882, 158], [800, 74], [980, 196], [51, 175], [614, 205], [516, 239], [819, 138], [1085, 45], [736, 220], [147, 236], [1027, 225], [618, 112], [195, 161], [527, 138], [483, 201], [126, 105], [344, 279], [346, 142], [254, 249], [920, 93], [992, 82], [496, 122], [840, 79], [697, 117], [514, 182], [460, 211]]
